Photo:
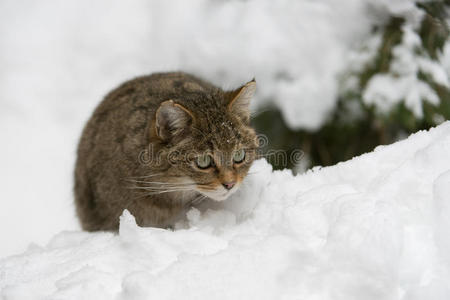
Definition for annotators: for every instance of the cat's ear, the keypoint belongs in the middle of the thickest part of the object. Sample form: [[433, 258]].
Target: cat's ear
[[239, 100], [172, 119]]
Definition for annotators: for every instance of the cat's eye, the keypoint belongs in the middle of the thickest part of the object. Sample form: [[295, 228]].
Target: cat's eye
[[239, 156], [204, 161]]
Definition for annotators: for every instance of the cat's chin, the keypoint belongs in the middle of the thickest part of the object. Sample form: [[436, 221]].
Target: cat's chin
[[220, 198], [220, 195]]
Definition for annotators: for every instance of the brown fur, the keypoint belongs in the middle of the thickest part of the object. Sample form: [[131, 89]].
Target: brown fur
[[138, 150]]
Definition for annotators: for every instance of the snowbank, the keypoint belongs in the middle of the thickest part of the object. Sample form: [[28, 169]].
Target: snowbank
[[375, 227], [60, 57]]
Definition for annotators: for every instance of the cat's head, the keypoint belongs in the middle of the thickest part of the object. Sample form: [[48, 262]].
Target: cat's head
[[207, 139]]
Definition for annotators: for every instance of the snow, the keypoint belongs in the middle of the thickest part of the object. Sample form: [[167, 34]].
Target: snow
[[374, 227], [289, 46], [402, 84], [60, 58]]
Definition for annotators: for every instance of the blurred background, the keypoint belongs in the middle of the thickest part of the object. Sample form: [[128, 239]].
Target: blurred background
[[335, 79]]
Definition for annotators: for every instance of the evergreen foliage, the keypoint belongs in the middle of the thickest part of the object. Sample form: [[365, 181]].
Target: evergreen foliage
[[357, 126]]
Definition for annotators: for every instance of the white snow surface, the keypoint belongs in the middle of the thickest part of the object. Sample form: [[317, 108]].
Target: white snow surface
[[59, 58], [402, 84], [375, 227]]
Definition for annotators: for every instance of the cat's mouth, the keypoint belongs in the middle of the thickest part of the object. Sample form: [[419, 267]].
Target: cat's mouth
[[219, 194]]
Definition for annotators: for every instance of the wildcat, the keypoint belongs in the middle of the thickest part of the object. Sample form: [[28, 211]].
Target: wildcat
[[158, 144]]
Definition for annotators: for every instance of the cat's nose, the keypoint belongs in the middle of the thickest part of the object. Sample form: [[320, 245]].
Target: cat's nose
[[229, 185]]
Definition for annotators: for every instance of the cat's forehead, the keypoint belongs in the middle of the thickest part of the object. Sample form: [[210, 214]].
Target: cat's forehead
[[216, 127], [222, 134]]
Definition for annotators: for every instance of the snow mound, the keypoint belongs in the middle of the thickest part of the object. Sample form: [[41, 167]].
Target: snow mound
[[375, 227], [68, 54]]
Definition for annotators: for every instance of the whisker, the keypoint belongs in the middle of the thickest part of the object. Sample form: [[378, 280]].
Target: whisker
[[197, 200], [159, 188], [258, 112], [146, 176], [253, 172], [151, 193], [161, 192], [157, 193], [162, 183], [187, 187]]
